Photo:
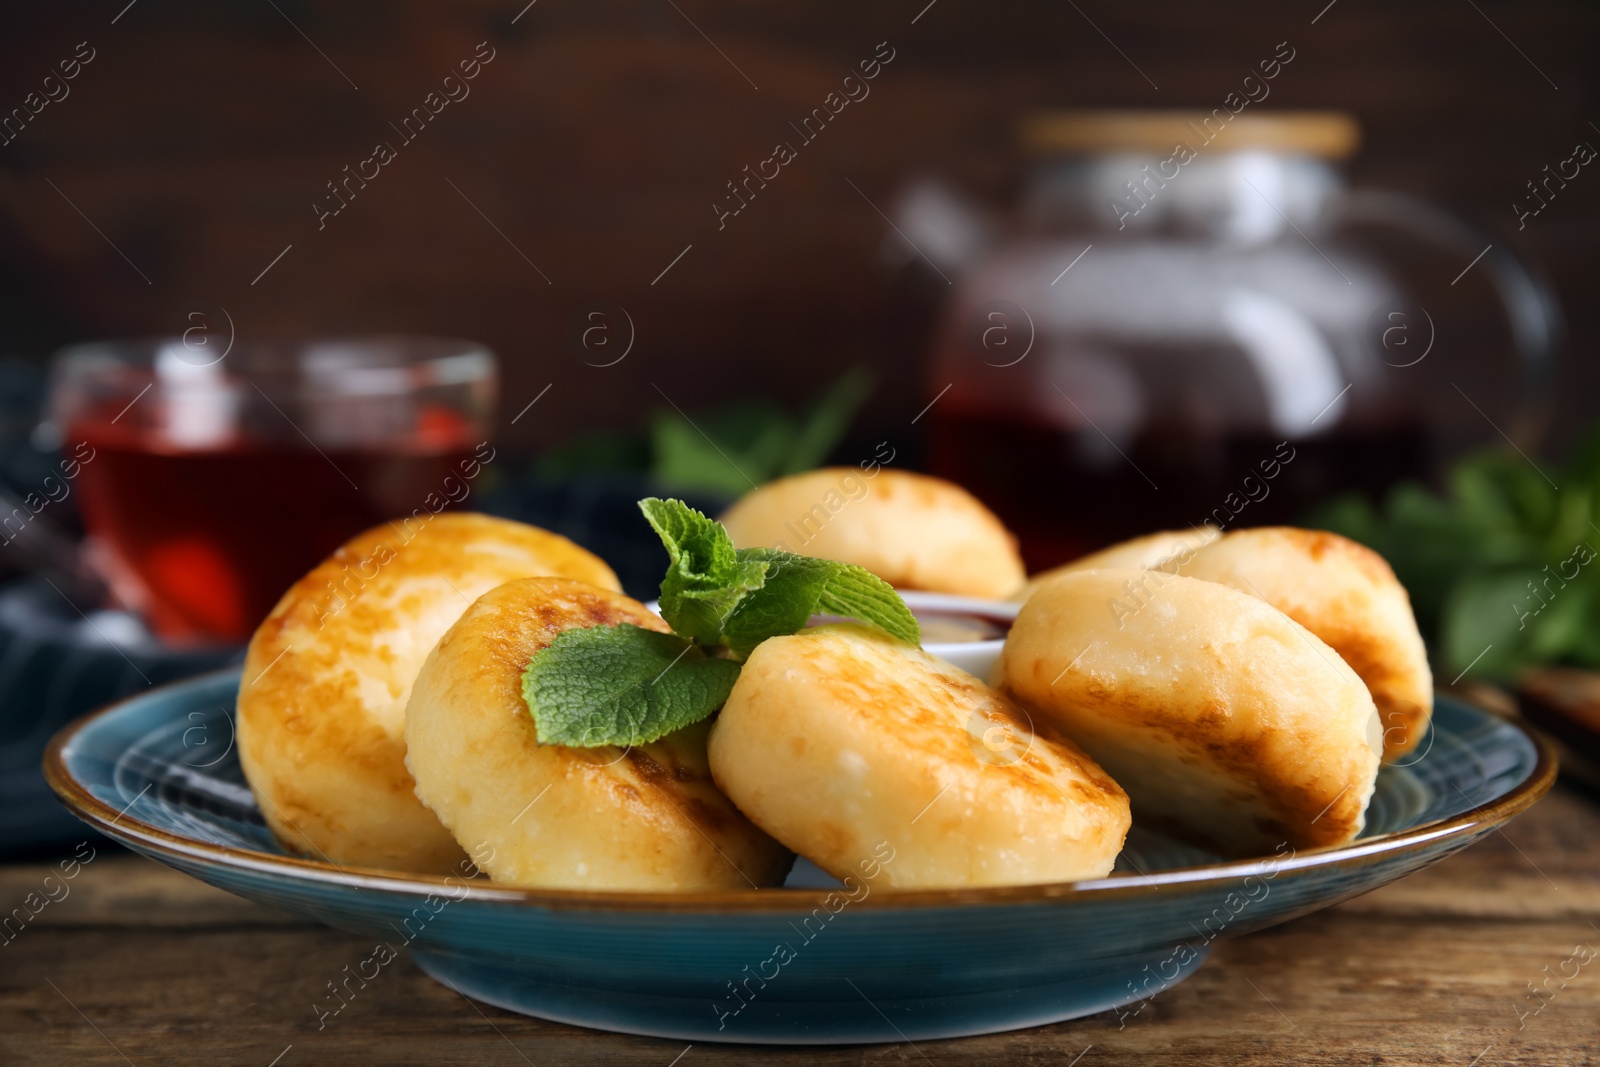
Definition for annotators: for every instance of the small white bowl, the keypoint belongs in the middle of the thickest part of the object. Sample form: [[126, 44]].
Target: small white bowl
[[974, 657]]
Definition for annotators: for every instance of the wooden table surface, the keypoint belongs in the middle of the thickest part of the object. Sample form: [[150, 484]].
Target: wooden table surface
[[140, 964]]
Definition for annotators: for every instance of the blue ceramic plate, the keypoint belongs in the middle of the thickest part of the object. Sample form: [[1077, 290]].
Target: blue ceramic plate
[[793, 965]]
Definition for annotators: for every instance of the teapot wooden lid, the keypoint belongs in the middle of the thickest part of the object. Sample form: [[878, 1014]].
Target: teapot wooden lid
[[1326, 134]]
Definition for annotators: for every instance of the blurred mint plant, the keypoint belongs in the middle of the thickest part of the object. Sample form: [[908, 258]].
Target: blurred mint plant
[[1501, 568], [722, 447]]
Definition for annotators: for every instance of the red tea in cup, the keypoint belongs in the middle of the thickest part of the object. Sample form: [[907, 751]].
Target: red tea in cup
[[209, 487]]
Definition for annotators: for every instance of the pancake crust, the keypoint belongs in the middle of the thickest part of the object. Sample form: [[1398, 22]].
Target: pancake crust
[[1346, 594], [847, 745], [1167, 550], [1222, 717], [913, 531], [321, 710], [646, 818]]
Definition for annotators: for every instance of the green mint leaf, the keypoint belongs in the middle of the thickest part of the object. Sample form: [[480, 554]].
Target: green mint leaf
[[798, 587], [703, 613], [621, 685], [724, 448], [685, 459], [1483, 628], [787, 599], [827, 422], [699, 548], [705, 579], [857, 593]]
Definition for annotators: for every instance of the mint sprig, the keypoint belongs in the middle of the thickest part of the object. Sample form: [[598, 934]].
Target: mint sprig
[[798, 587], [1498, 563], [737, 598], [625, 685], [705, 580], [621, 685]]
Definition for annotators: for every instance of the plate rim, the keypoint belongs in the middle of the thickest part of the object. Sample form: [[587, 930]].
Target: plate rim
[[120, 825]]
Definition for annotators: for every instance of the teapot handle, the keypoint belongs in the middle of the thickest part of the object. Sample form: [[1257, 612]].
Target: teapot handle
[[1530, 303]]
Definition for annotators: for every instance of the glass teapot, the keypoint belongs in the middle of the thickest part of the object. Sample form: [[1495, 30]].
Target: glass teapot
[[1186, 329]]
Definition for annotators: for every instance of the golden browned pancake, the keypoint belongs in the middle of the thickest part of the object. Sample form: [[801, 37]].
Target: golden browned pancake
[[860, 752], [1346, 594], [913, 531], [1220, 715], [1167, 550], [322, 701], [645, 818]]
